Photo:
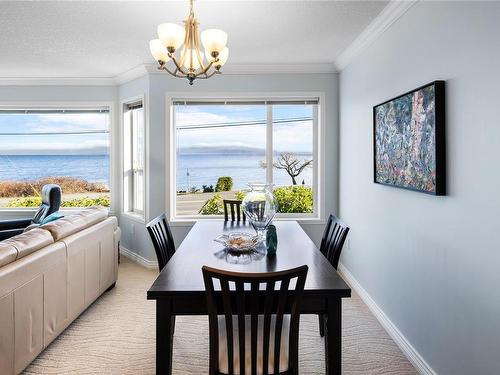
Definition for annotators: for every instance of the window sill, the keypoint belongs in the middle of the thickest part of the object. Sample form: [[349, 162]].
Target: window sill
[[190, 221]]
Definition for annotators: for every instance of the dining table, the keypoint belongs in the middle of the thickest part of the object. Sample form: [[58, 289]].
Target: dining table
[[179, 288]]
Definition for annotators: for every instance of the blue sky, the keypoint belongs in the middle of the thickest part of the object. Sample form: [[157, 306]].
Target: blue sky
[[29, 125], [287, 137]]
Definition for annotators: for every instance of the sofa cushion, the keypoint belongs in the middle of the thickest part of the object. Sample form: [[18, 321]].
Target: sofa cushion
[[29, 242], [71, 224], [8, 253]]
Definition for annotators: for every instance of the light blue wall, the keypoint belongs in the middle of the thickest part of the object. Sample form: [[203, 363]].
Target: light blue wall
[[431, 263], [158, 87], [58, 93]]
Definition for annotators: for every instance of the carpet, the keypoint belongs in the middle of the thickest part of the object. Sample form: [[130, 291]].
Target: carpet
[[116, 335]]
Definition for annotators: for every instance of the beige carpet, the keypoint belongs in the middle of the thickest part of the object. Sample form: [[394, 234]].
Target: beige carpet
[[116, 335]]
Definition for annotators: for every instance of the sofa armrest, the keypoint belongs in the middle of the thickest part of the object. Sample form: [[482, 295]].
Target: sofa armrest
[[15, 223]]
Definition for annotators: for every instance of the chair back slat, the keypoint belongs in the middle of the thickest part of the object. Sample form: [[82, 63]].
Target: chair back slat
[[267, 326], [226, 302], [163, 241], [233, 207], [267, 304], [279, 323], [333, 240], [240, 305], [254, 321]]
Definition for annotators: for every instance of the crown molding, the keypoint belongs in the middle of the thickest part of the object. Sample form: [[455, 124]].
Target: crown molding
[[243, 69], [278, 69], [131, 74], [390, 14], [57, 81], [145, 69]]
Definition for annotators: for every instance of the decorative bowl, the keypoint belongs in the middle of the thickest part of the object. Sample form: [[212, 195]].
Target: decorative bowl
[[238, 241]]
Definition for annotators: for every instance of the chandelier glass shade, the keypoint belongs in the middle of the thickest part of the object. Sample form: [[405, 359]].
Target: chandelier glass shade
[[189, 62]]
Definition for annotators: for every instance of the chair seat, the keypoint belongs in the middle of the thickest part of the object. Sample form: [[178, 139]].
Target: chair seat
[[223, 355]]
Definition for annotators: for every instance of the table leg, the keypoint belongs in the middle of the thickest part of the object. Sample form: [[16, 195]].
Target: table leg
[[333, 336], [165, 323]]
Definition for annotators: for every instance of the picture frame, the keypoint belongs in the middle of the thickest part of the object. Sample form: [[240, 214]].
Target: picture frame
[[409, 145]]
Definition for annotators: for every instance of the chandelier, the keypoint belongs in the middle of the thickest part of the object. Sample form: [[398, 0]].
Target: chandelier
[[190, 62]]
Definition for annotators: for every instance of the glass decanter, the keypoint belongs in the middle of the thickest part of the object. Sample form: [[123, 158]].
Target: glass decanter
[[260, 206]]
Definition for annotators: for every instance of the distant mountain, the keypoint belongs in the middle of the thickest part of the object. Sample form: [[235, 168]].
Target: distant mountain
[[221, 150]]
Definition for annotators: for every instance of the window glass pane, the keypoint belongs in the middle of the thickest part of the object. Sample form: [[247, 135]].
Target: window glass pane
[[68, 149], [139, 191], [138, 159], [293, 157], [127, 161], [138, 139], [215, 141]]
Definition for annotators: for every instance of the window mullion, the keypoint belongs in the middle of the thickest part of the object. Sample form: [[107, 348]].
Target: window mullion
[[131, 202], [269, 144]]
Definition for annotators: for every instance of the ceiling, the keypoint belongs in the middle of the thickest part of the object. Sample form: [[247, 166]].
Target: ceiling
[[107, 38]]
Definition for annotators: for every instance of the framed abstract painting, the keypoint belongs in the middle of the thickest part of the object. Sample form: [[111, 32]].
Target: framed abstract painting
[[409, 140]]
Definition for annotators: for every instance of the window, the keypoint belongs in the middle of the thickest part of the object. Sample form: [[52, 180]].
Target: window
[[68, 147], [133, 158], [220, 147]]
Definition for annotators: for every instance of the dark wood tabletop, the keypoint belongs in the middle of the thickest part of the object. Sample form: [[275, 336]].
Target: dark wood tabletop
[[180, 290], [183, 274]]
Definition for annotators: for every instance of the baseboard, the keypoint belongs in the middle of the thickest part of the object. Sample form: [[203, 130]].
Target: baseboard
[[409, 351], [136, 258]]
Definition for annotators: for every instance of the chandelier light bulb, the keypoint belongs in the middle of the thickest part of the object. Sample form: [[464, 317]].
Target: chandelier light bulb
[[171, 35], [214, 40], [158, 50], [187, 60]]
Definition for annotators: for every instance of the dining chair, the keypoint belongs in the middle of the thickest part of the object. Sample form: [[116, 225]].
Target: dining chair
[[236, 212], [260, 325], [331, 246], [333, 239], [162, 239]]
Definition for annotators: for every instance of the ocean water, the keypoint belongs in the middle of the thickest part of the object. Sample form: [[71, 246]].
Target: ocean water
[[93, 168], [195, 170]]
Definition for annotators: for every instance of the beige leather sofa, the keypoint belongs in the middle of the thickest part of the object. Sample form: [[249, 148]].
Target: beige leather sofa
[[48, 276]]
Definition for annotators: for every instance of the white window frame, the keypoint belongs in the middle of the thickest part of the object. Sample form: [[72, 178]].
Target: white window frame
[[319, 138], [139, 217], [61, 105]]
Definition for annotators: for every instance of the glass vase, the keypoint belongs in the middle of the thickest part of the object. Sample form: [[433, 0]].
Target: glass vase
[[260, 206]]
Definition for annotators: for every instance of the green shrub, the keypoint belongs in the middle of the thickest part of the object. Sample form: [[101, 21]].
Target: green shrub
[[87, 202], [213, 206], [294, 199], [224, 184], [78, 202], [208, 189]]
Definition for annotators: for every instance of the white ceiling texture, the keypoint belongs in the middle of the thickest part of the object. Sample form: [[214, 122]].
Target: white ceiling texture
[[107, 38]]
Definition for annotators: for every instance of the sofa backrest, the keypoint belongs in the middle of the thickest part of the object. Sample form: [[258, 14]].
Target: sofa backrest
[[74, 223], [23, 244], [37, 238]]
